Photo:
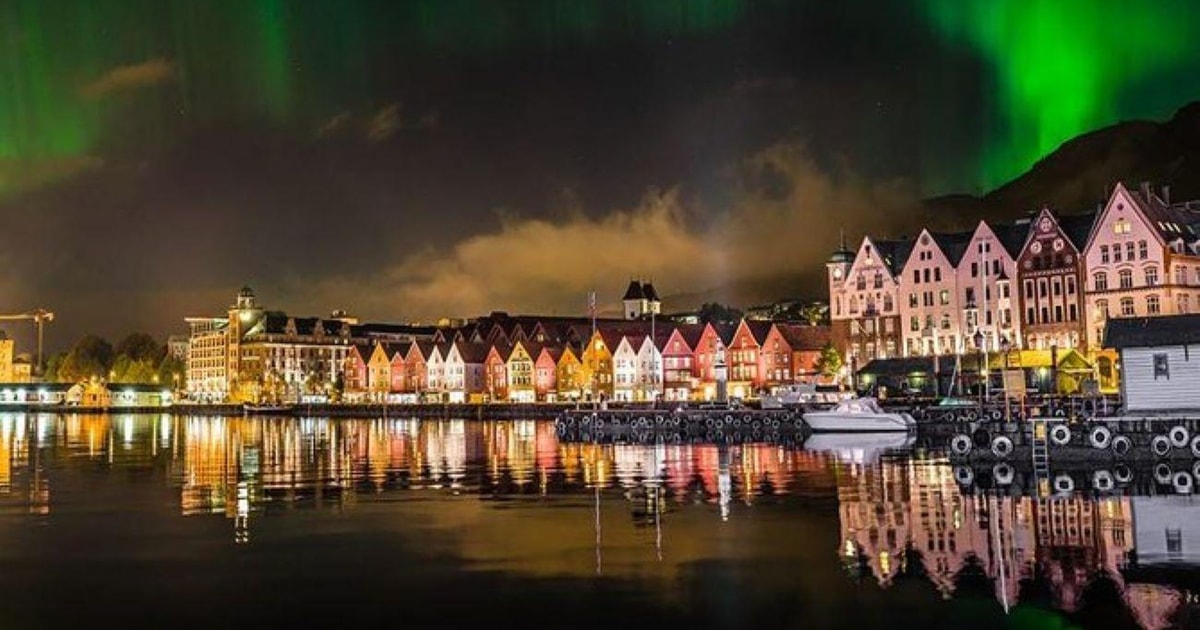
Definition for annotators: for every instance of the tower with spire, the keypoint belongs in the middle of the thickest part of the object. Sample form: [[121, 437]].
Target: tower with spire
[[641, 300]]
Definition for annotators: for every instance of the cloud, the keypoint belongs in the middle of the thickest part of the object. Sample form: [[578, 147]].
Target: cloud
[[783, 223], [147, 73], [384, 123]]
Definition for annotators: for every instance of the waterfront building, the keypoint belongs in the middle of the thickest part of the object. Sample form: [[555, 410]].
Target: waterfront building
[[545, 377], [863, 299], [520, 370], [569, 377], [648, 376], [496, 371], [931, 313], [465, 371], [624, 363], [1141, 259], [985, 273], [435, 372], [1158, 372], [680, 373], [379, 372], [354, 372], [747, 371], [399, 367], [416, 368], [1050, 281], [714, 339], [791, 353], [207, 373], [597, 366]]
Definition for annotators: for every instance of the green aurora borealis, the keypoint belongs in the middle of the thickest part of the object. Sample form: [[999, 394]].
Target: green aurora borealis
[[1064, 67], [1054, 68]]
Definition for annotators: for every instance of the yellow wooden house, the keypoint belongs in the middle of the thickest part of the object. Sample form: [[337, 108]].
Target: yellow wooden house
[[569, 380]]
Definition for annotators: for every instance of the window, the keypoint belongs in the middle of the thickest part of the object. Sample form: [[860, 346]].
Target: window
[[1125, 277], [1161, 367], [860, 282], [1129, 250], [878, 280], [1151, 276], [1100, 281], [912, 300], [945, 321], [937, 274], [1101, 309], [1041, 288], [1127, 307], [1143, 250], [1152, 305], [1184, 305], [1004, 290], [1116, 253], [1181, 276], [975, 270], [969, 297], [1030, 315], [996, 267], [1121, 226], [925, 275], [1104, 254], [1058, 313], [1070, 285], [944, 297], [1045, 315], [1072, 313], [927, 298], [915, 324], [1057, 287], [916, 276], [887, 303]]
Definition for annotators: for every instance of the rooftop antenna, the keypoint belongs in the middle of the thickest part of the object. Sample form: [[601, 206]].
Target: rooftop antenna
[[842, 236]]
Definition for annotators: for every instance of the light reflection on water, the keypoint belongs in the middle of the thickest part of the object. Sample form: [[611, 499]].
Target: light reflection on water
[[834, 519]]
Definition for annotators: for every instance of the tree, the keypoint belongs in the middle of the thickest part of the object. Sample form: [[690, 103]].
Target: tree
[[714, 313], [140, 346], [829, 362], [815, 313], [90, 356], [172, 370], [53, 366]]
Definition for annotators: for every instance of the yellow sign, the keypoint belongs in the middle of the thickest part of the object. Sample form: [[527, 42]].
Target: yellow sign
[[1014, 384]]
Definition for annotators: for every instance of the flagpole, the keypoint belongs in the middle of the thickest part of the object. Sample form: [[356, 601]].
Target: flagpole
[[592, 312]]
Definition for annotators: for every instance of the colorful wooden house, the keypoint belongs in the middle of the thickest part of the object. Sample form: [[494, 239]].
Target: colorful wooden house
[[793, 351], [747, 372], [398, 373], [545, 377], [464, 370], [597, 361], [520, 369], [716, 337], [569, 380], [379, 373], [416, 367], [680, 374], [496, 371]]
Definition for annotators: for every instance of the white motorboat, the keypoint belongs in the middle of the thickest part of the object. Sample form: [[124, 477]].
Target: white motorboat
[[858, 415]]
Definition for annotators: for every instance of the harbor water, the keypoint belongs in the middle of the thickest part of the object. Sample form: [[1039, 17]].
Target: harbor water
[[159, 520]]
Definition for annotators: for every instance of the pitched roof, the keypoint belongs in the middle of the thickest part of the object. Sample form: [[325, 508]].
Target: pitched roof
[[651, 294], [805, 337], [759, 330], [894, 253], [1171, 221], [690, 333], [1077, 227], [472, 352], [634, 292], [1150, 332], [1012, 236], [953, 244]]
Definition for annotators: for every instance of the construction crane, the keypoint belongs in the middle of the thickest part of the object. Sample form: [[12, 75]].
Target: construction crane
[[39, 317]]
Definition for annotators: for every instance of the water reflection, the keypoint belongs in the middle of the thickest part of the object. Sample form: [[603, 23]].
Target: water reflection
[[508, 495]]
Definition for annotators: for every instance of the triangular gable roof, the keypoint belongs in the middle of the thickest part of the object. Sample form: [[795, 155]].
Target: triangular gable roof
[[690, 333], [555, 353], [894, 253], [954, 244], [758, 330], [423, 350], [804, 337], [1077, 227], [1012, 237], [472, 352]]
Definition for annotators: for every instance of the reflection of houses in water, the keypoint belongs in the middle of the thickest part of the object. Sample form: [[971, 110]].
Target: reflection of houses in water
[[897, 512]]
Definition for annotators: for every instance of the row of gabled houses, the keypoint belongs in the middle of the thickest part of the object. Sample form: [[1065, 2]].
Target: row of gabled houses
[[536, 359], [1047, 282], [255, 354]]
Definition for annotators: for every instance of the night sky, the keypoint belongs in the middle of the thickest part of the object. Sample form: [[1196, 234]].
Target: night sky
[[409, 160]]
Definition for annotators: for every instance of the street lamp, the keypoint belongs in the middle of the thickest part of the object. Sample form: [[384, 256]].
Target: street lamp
[[1004, 347], [978, 338]]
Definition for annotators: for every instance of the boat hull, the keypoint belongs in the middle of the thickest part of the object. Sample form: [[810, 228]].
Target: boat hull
[[824, 422]]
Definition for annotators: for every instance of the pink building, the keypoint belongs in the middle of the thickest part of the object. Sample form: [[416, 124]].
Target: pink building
[[1141, 259], [986, 275], [863, 295], [930, 304]]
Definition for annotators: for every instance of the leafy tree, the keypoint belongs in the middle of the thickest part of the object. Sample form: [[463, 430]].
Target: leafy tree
[[140, 346], [129, 370], [815, 313], [829, 362], [53, 366], [172, 370], [90, 356], [714, 313]]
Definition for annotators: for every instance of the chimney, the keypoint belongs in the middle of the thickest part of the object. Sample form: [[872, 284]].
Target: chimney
[[1166, 194]]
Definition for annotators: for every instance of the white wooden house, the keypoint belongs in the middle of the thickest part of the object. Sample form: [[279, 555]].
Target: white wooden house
[[1160, 362]]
